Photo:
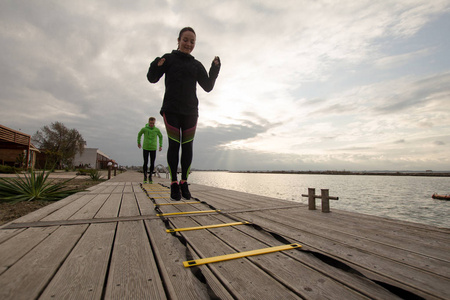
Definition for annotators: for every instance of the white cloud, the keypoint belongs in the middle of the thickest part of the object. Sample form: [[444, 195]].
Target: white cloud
[[362, 125], [302, 84], [393, 61]]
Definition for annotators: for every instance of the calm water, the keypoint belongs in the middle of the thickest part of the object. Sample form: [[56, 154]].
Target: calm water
[[398, 197]]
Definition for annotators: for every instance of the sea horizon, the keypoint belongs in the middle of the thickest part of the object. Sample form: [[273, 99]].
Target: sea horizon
[[338, 172]]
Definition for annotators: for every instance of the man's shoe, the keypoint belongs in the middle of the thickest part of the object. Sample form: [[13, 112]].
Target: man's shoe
[[185, 190], [175, 192]]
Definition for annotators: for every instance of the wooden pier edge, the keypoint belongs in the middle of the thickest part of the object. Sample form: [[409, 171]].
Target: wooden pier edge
[[109, 242]]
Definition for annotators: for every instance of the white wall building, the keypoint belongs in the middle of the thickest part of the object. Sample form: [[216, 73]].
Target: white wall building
[[91, 158]]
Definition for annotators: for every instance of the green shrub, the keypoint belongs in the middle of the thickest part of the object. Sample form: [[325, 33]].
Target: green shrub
[[7, 169], [95, 175], [84, 171], [33, 186]]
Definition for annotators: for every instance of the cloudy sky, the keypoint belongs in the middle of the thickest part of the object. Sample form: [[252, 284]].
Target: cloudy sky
[[304, 85]]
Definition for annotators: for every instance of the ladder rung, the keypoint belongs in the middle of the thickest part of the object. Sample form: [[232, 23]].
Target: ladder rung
[[177, 203], [206, 227], [187, 212], [197, 262]]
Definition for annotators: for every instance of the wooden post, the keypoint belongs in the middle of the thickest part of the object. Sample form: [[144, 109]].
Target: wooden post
[[311, 198], [325, 196], [325, 200], [109, 172], [115, 170], [28, 154]]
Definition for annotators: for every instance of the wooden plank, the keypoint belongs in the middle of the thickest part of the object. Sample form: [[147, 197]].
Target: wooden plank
[[410, 256], [334, 223], [373, 266], [146, 206], [70, 209], [133, 272], [172, 263], [81, 221], [306, 274], [243, 197], [109, 189], [76, 221], [95, 187], [207, 226], [395, 222], [118, 189], [82, 276], [136, 187], [181, 283], [433, 238], [129, 206], [111, 182], [241, 277], [266, 208], [357, 229], [10, 253], [110, 208], [91, 208], [234, 199], [6, 234], [128, 189], [27, 277], [242, 202], [98, 189], [223, 201], [436, 260], [414, 238], [181, 206]]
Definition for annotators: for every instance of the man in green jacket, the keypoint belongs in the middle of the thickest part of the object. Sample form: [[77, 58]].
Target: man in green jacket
[[150, 133]]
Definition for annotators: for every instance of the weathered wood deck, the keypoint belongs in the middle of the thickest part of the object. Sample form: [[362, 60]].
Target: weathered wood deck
[[109, 243]]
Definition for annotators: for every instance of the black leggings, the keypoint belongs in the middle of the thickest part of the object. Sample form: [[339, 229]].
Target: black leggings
[[180, 131], [152, 161]]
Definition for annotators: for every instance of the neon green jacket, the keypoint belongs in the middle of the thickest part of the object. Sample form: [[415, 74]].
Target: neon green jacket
[[150, 134]]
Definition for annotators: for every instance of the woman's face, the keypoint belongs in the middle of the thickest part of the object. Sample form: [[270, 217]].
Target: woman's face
[[186, 42]]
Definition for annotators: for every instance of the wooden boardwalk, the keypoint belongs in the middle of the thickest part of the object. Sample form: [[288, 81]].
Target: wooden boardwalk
[[109, 243]]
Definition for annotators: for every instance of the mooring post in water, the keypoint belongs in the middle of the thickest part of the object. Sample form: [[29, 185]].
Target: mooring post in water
[[325, 196], [311, 198]]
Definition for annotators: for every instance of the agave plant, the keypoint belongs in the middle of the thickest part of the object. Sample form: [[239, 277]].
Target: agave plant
[[95, 175], [34, 186]]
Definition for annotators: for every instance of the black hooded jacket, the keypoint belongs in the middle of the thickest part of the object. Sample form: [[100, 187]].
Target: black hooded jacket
[[183, 72]]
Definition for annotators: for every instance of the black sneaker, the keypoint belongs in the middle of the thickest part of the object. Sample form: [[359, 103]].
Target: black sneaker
[[185, 190], [175, 192]]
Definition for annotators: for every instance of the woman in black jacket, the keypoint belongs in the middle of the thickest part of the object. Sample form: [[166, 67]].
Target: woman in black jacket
[[180, 103]]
